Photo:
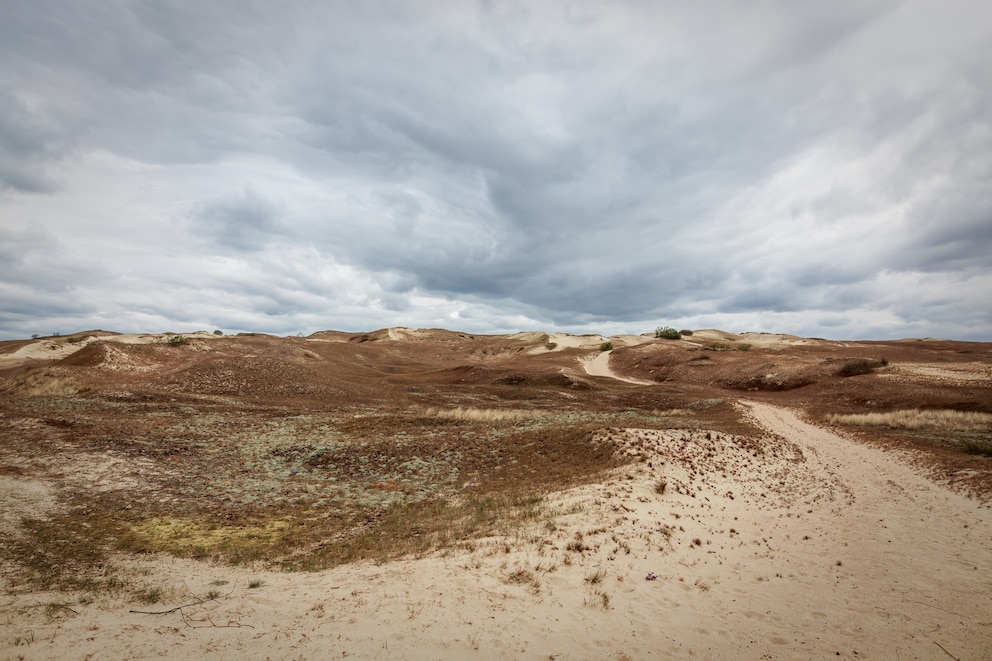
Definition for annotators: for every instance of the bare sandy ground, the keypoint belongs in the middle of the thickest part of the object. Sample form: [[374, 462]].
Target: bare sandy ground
[[799, 545]]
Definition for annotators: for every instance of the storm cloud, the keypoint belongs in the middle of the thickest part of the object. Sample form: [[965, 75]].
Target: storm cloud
[[289, 167]]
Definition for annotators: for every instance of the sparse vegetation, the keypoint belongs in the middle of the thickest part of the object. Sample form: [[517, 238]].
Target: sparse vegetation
[[606, 346], [177, 340]]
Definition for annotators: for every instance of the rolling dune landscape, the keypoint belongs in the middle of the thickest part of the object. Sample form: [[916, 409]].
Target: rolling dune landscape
[[431, 494]]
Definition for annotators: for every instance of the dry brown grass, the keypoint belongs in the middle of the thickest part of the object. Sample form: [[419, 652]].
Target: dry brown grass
[[471, 414], [40, 382], [945, 420]]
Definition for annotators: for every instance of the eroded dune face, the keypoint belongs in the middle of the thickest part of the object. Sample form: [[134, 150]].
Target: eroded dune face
[[454, 494]]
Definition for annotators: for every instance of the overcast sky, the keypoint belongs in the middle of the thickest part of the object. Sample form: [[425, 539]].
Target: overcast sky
[[817, 168]]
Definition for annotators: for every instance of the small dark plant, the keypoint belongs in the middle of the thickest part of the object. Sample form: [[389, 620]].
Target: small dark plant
[[177, 340], [606, 346]]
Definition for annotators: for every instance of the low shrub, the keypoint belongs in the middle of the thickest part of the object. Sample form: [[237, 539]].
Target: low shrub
[[606, 346], [860, 366]]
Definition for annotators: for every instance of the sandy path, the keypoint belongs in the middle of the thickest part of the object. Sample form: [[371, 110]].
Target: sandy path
[[799, 546], [916, 578], [599, 365]]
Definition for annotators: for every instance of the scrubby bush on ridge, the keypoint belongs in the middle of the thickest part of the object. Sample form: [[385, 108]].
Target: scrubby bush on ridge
[[667, 333]]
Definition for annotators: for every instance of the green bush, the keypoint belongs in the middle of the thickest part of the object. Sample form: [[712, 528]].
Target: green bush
[[177, 340], [606, 346], [685, 333], [218, 332], [667, 333]]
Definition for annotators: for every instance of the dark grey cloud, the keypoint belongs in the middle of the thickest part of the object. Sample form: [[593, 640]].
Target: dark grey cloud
[[297, 166], [244, 222]]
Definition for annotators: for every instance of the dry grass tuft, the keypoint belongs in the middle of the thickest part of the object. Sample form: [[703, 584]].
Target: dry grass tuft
[[946, 420], [596, 576]]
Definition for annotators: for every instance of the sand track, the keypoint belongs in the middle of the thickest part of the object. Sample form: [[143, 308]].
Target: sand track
[[599, 365]]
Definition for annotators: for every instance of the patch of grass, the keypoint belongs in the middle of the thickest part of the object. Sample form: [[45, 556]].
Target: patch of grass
[[941, 420], [719, 346], [150, 595], [256, 583], [414, 528], [24, 639], [606, 346], [520, 577], [198, 538], [980, 446], [471, 414], [177, 340], [69, 551], [40, 382], [597, 576]]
